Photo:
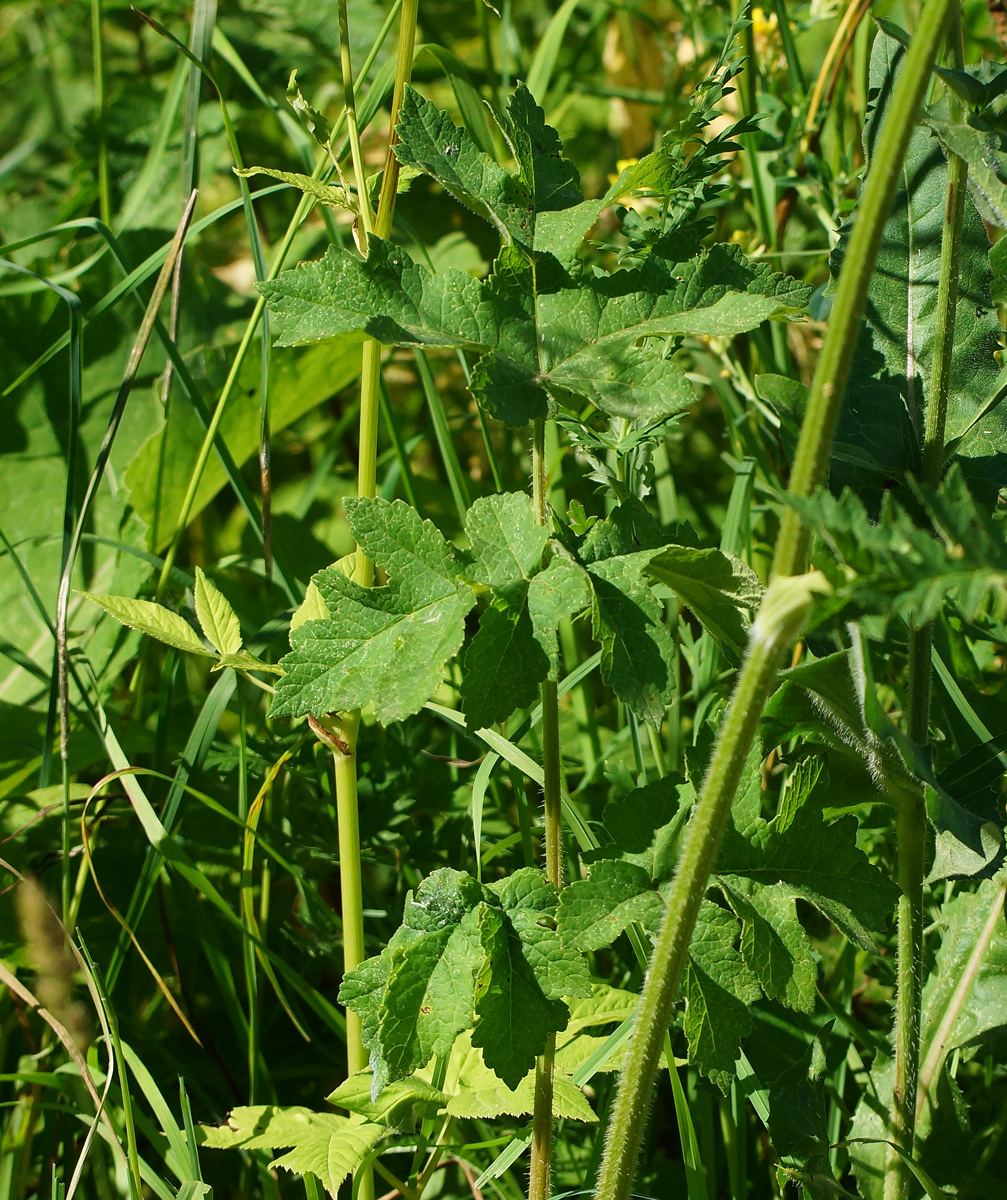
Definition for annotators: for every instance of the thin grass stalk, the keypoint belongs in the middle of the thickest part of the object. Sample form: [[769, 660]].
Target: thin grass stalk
[[778, 622], [101, 110], [350, 108], [911, 820]]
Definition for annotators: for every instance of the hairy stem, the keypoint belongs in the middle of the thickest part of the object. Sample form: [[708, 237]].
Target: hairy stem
[[541, 1141], [911, 824], [778, 622]]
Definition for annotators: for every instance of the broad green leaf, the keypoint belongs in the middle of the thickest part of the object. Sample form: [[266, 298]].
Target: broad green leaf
[[217, 618], [965, 844], [507, 545], [965, 996], [819, 862], [386, 645], [386, 296], [515, 1015], [797, 1106], [637, 649], [325, 193], [773, 942], [719, 589], [486, 1096], [332, 1155], [263, 1127], [544, 330], [718, 987], [311, 608], [402, 1103], [362, 991], [476, 1091], [528, 969], [154, 620], [884, 412], [538, 330], [429, 140], [577, 1044], [594, 911], [561, 590], [503, 664], [433, 961], [634, 819], [825, 702], [984, 155], [324, 1145], [467, 956], [531, 904]]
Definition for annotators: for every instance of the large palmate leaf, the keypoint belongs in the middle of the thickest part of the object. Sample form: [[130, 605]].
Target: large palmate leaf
[[881, 428], [387, 644], [543, 329], [323, 1144], [467, 957]]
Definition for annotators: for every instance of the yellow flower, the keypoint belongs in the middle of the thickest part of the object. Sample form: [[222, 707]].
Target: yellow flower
[[762, 25], [621, 166]]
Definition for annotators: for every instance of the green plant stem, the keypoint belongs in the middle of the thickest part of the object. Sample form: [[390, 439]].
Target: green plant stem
[[350, 108], [350, 878], [778, 622], [100, 105], [911, 821], [345, 753], [541, 1140]]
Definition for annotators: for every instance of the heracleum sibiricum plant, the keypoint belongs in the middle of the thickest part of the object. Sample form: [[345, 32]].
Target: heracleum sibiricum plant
[[480, 1003]]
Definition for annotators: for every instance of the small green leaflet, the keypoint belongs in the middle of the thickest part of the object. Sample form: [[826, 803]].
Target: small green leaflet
[[216, 617], [386, 644], [468, 957], [154, 620], [325, 193], [543, 330], [323, 1144]]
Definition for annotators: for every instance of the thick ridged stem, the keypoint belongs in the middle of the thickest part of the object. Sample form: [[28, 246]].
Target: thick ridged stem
[[911, 822], [541, 1143], [777, 624]]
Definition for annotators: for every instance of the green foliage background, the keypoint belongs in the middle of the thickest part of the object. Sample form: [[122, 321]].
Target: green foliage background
[[791, 972]]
